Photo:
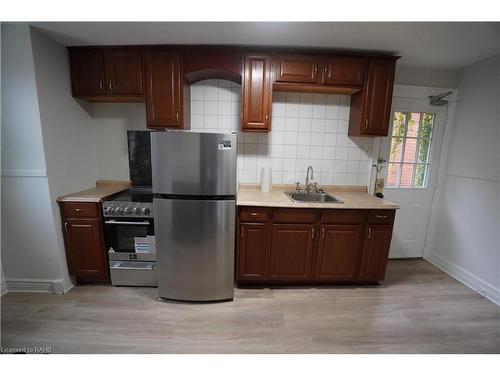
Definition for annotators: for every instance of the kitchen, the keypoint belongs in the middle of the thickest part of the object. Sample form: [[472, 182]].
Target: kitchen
[[256, 180]]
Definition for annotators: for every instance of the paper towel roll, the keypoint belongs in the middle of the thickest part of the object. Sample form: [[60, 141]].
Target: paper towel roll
[[265, 180]]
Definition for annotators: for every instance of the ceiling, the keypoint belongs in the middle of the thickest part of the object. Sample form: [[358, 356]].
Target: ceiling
[[439, 45]]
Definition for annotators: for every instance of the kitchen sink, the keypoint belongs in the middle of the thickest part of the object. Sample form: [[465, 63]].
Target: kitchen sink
[[320, 197]]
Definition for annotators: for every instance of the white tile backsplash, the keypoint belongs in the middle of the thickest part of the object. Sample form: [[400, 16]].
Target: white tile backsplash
[[307, 129]]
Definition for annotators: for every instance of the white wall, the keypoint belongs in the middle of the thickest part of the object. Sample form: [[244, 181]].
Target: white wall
[[29, 243], [307, 130], [48, 149], [426, 77], [67, 130], [111, 122], [467, 235]]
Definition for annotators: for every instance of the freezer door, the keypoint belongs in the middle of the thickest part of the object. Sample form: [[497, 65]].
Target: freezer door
[[188, 163], [195, 249]]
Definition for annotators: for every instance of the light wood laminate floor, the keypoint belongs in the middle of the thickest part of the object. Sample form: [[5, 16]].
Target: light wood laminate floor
[[418, 309]]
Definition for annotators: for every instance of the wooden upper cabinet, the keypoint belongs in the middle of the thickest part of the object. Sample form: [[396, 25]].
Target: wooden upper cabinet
[[291, 252], [296, 68], [123, 71], [371, 107], [257, 93], [87, 72], [375, 252], [343, 71], [163, 89]]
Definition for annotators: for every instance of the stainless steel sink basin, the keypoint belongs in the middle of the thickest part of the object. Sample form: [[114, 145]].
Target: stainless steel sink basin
[[321, 197]]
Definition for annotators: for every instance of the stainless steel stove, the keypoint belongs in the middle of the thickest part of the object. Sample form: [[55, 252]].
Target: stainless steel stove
[[134, 203], [129, 221]]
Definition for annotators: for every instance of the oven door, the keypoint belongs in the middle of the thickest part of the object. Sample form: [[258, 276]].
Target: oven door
[[121, 232]]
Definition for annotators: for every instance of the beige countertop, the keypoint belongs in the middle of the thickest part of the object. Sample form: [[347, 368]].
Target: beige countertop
[[102, 191], [353, 197]]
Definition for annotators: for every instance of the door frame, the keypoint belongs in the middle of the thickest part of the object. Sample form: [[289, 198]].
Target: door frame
[[422, 93]]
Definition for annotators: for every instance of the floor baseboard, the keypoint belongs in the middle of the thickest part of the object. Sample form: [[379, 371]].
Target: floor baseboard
[[480, 286], [57, 286]]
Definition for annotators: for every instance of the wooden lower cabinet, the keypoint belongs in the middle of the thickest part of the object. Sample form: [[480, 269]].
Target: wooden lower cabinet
[[291, 252], [280, 246], [339, 252], [84, 242], [253, 255], [375, 252]]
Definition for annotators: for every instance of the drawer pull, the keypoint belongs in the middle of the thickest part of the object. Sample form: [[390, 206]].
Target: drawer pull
[[322, 233], [242, 231], [254, 214], [79, 209], [66, 226], [381, 216], [312, 232], [369, 232]]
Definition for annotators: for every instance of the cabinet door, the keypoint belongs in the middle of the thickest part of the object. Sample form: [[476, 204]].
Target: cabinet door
[[257, 94], [339, 252], [123, 71], [343, 71], [163, 89], [297, 68], [379, 88], [375, 252], [253, 252], [87, 72], [86, 250], [291, 252]]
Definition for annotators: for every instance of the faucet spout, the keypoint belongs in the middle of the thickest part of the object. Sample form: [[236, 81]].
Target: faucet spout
[[309, 169]]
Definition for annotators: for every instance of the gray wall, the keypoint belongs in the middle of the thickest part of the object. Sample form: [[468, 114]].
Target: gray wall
[[426, 77], [467, 236]]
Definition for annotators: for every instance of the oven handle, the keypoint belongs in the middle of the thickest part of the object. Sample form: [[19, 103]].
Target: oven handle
[[114, 222]]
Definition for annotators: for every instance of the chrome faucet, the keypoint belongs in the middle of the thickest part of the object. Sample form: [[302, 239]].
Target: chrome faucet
[[310, 168], [308, 186]]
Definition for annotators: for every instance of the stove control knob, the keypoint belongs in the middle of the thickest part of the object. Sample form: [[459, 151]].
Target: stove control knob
[[107, 209], [118, 210], [136, 211], [145, 211], [128, 210]]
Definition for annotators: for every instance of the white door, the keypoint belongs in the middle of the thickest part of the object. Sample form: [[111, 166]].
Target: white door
[[412, 153]]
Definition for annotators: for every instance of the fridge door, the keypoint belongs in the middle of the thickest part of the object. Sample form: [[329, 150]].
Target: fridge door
[[187, 163], [195, 248]]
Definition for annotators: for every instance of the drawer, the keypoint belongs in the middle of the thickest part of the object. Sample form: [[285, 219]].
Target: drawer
[[381, 216], [335, 216], [254, 214], [295, 215], [77, 209]]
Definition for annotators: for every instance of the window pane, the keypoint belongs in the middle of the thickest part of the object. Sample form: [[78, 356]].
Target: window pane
[[420, 175], [396, 149], [398, 125], [406, 176], [427, 122], [423, 150], [392, 175], [410, 150], [413, 124]]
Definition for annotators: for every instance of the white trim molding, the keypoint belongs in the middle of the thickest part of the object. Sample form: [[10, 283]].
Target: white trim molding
[[57, 286], [465, 277], [3, 288], [24, 173]]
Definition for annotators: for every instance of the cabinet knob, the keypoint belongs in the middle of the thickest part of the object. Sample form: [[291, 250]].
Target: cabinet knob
[[322, 233], [177, 117], [66, 226], [267, 117], [369, 232], [110, 85], [312, 232], [366, 124], [242, 231], [100, 85]]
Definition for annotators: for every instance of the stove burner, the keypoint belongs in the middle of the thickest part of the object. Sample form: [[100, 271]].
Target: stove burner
[[134, 203]]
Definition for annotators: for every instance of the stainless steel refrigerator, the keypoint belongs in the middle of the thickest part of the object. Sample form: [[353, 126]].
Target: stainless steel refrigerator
[[194, 186]]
